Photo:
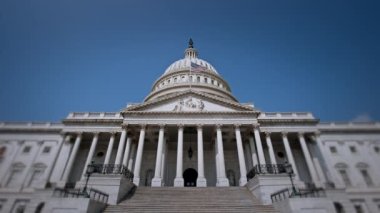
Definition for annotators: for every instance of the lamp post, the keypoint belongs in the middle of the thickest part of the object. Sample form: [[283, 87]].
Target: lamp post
[[90, 169], [289, 171]]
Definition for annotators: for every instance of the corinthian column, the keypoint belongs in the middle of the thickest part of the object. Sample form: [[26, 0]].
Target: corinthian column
[[289, 155], [74, 152], [243, 168], [140, 147], [222, 180], [91, 152], [178, 181], [157, 180], [270, 148], [309, 161], [259, 146], [201, 180]]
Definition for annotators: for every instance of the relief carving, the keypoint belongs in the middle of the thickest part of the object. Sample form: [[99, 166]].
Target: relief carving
[[189, 104]]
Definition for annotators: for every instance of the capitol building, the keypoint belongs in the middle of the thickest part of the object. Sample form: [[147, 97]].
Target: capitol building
[[190, 146]]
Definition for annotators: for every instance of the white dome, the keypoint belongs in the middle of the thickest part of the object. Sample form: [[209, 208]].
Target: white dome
[[184, 64]]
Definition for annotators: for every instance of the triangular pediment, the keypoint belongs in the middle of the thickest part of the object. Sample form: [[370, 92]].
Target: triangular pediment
[[190, 101]]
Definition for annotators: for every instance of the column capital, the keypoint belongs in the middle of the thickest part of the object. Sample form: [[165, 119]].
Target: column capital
[[143, 126], [218, 126], [199, 126], [267, 134], [124, 126], [180, 126], [162, 126], [317, 133], [113, 133], [301, 134], [79, 134], [67, 139], [256, 126], [284, 134], [96, 133], [237, 126]]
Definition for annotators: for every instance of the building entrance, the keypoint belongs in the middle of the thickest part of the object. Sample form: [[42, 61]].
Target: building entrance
[[190, 177]]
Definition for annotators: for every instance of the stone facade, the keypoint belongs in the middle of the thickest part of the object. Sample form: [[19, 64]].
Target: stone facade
[[190, 131]]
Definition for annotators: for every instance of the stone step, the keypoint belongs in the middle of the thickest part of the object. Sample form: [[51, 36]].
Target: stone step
[[183, 199]]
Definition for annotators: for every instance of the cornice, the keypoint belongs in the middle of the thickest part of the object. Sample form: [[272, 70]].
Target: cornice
[[182, 93], [187, 85]]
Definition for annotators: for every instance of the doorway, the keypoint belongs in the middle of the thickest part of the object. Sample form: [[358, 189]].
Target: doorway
[[190, 176]]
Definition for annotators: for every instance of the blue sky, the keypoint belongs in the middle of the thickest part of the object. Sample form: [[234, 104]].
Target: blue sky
[[62, 56]]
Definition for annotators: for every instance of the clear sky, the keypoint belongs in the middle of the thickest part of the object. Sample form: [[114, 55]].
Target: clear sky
[[94, 55]]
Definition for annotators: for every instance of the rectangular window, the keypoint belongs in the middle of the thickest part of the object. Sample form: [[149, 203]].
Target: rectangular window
[[333, 149], [366, 177], [345, 177], [14, 179], [36, 176], [26, 149], [46, 149], [353, 149]]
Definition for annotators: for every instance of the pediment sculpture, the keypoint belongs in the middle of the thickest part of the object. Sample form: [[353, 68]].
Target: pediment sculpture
[[189, 104]]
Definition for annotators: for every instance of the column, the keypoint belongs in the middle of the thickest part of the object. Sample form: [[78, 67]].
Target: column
[[270, 148], [90, 153], [140, 147], [157, 180], [253, 151], [120, 148], [132, 157], [319, 165], [308, 159], [70, 163], [126, 152], [216, 159], [109, 149], [259, 146], [248, 155], [201, 180], [163, 160], [289, 154], [242, 166], [222, 180], [178, 181]]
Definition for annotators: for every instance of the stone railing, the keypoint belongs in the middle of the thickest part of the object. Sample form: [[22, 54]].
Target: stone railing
[[266, 169], [94, 115], [112, 169], [93, 194], [286, 115]]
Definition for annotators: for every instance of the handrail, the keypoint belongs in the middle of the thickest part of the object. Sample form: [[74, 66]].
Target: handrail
[[301, 193]]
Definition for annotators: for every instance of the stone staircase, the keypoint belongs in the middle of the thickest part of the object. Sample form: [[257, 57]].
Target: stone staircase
[[208, 199]]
